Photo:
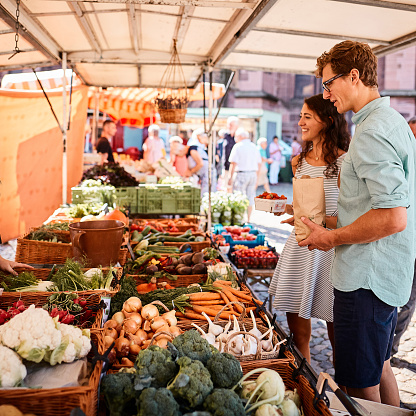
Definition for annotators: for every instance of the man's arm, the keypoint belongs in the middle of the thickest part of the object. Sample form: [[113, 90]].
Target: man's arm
[[232, 170], [371, 226]]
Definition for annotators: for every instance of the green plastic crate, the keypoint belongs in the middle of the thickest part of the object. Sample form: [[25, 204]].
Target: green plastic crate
[[163, 199], [127, 198]]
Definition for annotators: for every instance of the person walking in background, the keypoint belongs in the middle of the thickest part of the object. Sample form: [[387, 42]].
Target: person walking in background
[[301, 282], [227, 145], [245, 162], [373, 266], [103, 145], [180, 163], [275, 153], [219, 152], [406, 312], [262, 177], [154, 146], [296, 148]]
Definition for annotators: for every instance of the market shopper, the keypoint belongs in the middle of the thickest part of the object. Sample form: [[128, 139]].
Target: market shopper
[[262, 177], [296, 148], [372, 271], [406, 312], [9, 265], [197, 158], [245, 162], [154, 146], [301, 282], [275, 153], [180, 163], [227, 145], [103, 145]]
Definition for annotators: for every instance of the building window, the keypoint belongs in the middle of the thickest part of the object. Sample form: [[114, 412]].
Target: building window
[[243, 75]]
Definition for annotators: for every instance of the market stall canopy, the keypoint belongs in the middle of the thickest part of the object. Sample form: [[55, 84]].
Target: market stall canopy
[[123, 43]]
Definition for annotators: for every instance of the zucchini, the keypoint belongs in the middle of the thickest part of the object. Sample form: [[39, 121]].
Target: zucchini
[[176, 239], [163, 249], [187, 234], [146, 230]]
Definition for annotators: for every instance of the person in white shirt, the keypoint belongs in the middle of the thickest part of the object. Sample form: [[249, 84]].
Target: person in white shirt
[[154, 146], [245, 161]]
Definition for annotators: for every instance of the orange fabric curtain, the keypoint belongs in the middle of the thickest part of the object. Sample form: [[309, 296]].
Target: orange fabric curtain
[[31, 156]]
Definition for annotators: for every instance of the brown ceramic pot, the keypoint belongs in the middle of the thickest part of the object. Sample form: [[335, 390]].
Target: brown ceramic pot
[[97, 241]]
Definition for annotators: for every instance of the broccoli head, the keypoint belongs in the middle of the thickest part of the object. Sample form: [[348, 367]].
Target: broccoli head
[[224, 402], [193, 382], [119, 393], [157, 402], [191, 344], [225, 370], [157, 363]]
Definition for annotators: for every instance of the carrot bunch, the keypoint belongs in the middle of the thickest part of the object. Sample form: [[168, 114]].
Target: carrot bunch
[[192, 305]]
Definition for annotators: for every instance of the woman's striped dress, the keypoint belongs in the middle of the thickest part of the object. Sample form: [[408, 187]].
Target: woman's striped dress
[[301, 282]]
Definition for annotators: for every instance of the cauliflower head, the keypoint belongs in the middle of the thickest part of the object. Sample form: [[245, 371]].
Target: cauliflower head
[[193, 382], [157, 363], [157, 402], [31, 333], [75, 344], [12, 370], [225, 370], [224, 402]]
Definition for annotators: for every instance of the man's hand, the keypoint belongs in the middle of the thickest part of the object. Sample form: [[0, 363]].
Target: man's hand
[[320, 237]]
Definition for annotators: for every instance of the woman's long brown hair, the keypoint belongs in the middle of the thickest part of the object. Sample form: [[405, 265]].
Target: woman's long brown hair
[[334, 133]]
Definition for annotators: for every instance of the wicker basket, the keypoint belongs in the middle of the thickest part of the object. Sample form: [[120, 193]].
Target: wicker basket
[[93, 298], [182, 281], [176, 115], [40, 252], [60, 401], [300, 383], [43, 273]]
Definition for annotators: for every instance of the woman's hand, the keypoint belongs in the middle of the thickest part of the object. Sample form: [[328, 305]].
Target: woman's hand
[[9, 265], [187, 174], [290, 221]]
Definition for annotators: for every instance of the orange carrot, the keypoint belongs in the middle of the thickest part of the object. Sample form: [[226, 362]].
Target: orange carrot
[[204, 296], [236, 292], [231, 297], [211, 312], [225, 282], [207, 302], [224, 297], [189, 314]]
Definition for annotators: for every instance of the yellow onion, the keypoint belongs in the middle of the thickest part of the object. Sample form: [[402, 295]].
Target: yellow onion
[[133, 304], [130, 326], [170, 317], [157, 323], [149, 312], [110, 332]]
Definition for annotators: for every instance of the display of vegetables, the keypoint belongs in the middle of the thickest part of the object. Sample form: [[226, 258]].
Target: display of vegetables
[[255, 259], [49, 236], [239, 233], [185, 378], [110, 173], [23, 282], [12, 370], [135, 326], [35, 336], [97, 191], [270, 195]]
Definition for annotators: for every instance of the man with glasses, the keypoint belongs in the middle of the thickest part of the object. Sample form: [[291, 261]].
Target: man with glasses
[[372, 271]]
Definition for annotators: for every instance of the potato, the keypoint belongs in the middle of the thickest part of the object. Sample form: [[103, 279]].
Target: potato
[[199, 269], [187, 259], [198, 258], [185, 270]]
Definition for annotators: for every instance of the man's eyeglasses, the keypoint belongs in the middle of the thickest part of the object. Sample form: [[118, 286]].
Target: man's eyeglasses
[[325, 85]]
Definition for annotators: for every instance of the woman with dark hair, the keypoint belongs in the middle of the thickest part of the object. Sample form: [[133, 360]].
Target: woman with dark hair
[[301, 282]]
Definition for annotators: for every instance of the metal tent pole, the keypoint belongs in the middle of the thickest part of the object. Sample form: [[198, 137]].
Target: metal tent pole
[[64, 130], [210, 106]]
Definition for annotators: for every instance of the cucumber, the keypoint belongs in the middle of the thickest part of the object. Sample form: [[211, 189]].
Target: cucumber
[[146, 230]]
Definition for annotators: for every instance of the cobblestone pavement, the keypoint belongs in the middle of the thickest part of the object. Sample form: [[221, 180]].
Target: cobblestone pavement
[[404, 363]]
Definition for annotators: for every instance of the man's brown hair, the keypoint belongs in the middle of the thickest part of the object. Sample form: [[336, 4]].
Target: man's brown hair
[[348, 55]]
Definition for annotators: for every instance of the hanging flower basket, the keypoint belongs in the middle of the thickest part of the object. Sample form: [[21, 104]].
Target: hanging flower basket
[[172, 99]]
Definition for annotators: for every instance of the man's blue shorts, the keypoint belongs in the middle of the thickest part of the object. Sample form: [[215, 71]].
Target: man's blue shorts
[[364, 331]]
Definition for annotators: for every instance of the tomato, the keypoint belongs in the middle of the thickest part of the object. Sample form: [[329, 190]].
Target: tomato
[[134, 227]]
